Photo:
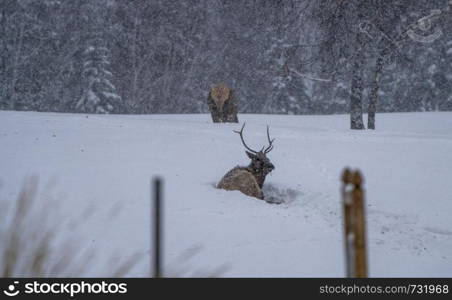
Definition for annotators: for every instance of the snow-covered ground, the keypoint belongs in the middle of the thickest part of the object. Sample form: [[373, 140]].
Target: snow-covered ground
[[104, 164]]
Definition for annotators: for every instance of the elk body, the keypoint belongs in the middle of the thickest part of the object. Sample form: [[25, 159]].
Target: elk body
[[250, 179], [222, 104]]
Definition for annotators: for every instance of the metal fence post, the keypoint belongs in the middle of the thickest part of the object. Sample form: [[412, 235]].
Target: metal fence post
[[157, 240]]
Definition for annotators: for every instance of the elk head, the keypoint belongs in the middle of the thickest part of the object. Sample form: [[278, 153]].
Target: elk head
[[260, 165]]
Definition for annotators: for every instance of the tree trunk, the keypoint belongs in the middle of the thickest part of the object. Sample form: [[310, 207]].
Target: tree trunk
[[356, 108], [373, 97]]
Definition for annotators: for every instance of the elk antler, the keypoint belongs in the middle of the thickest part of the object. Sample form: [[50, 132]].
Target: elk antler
[[243, 141], [270, 142]]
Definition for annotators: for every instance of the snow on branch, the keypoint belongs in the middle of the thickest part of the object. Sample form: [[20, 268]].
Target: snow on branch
[[309, 77]]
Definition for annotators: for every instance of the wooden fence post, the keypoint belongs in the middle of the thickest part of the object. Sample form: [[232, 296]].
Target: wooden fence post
[[348, 228], [354, 224]]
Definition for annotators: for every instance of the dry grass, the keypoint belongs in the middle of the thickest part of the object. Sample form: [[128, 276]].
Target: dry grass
[[31, 244], [182, 266]]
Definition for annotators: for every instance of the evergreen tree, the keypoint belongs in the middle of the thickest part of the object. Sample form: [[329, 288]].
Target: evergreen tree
[[99, 93]]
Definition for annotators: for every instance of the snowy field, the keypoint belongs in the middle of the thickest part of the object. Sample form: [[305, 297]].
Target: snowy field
[[103, 164]]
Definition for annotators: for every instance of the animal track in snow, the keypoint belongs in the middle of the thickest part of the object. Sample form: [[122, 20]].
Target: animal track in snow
[[438, 230], [401, 231]]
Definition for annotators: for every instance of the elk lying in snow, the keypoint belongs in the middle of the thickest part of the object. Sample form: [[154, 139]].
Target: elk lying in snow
[[249, 180]]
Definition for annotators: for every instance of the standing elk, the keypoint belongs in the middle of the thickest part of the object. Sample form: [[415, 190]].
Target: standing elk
[[249, 180], [222, 104]]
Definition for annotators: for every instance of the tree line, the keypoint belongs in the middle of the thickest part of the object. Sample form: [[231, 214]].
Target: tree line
[[285, 57]]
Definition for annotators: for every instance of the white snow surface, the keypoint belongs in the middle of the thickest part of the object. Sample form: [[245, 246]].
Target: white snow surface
[[104, 164]]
